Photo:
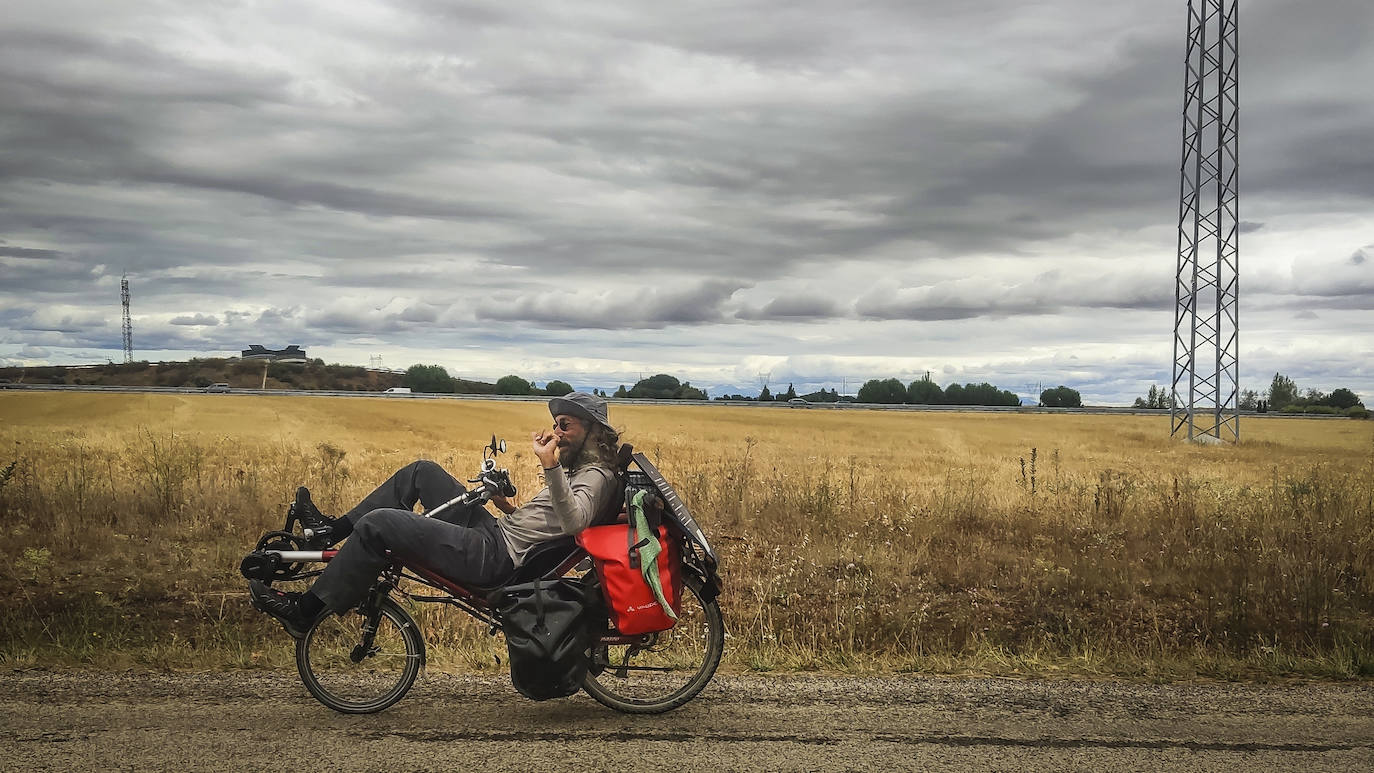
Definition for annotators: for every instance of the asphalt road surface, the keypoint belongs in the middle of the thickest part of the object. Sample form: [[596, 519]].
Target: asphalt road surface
[[256, 721]]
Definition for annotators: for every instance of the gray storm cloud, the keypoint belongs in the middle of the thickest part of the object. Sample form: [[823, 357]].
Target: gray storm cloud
[[195, 320], [644, 307], [795, 307], [538, 176], [1049, 293]]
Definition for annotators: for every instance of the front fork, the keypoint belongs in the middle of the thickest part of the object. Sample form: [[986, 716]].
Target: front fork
[[371, 610]]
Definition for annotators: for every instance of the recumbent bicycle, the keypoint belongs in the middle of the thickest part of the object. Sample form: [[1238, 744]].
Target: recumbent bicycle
[[367, 658]]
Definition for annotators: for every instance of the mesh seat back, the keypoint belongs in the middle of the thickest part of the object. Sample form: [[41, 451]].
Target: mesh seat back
[[615, 504]]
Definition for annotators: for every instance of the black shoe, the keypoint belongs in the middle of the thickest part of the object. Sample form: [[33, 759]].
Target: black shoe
[[320, 526], [283, 606], [306, 512]]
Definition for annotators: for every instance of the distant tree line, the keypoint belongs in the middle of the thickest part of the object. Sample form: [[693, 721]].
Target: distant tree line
[[661, 387], [1155, 398], [821, 396], [435, 379], [1061, 397], [1282, 396], [925, 391], [313, 374], [890, 391]]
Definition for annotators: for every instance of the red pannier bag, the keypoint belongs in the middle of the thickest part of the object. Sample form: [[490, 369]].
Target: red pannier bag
[[633, 607]]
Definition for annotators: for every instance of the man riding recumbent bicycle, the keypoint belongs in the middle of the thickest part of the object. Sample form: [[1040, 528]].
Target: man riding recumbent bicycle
[[602, 582]]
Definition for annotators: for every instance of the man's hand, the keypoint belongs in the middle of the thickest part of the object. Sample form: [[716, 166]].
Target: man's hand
[[545, 448], [503, 504]]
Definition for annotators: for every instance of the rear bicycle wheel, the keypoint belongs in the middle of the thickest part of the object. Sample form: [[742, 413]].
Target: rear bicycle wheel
[[670, 669], [353, 672]]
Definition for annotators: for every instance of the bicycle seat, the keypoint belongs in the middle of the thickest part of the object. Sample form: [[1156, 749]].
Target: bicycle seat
[[541, 561]]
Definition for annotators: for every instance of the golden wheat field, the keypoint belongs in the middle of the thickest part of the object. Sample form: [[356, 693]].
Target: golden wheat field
[[850, 540]]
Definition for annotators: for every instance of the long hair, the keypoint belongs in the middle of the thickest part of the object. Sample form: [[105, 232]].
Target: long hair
[[601, 448]]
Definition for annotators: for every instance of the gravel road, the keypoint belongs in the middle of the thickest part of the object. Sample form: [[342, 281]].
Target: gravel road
[[266, 721]]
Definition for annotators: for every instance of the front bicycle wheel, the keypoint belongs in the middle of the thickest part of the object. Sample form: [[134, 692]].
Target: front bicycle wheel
[[667, 671], [354, 670]]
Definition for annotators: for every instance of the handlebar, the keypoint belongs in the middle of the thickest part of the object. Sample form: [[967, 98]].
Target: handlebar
[[491, 481], [494, 482]]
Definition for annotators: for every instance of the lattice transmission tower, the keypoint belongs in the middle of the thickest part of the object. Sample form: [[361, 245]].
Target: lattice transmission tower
[[1205, 397], [128, 323]]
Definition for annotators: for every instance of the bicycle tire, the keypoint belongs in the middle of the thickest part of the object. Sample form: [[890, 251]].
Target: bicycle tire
[[699, 627], [375, 681]]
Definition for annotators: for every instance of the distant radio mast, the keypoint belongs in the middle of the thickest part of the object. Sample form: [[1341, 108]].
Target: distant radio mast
[[1205, 397], [128, 323]]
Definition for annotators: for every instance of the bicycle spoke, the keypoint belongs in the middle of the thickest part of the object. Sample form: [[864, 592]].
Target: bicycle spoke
[[669, 671], [341, 679]]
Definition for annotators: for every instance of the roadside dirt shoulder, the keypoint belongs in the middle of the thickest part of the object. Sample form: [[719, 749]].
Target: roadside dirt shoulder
[[75, 720]]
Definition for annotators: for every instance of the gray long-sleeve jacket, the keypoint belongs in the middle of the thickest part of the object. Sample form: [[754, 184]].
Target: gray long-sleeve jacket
[[566, 506]]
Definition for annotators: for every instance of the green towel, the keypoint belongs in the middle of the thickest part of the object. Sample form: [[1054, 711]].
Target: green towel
[[648, 551]]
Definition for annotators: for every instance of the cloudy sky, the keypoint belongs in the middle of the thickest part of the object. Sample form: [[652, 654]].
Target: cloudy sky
[[731, 192]]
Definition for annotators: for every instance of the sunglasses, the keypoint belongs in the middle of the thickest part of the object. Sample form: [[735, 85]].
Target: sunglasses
[[563, 425]]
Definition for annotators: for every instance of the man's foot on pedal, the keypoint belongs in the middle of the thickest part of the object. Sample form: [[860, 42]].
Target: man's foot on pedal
[[283, 606], [306, 512], [324, 532]]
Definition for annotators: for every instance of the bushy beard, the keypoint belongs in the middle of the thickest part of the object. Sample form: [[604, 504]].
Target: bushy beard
[[589, 451], [572, 457]]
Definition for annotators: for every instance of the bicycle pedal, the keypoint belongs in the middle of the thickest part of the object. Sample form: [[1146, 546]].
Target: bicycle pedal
[[318, 538]]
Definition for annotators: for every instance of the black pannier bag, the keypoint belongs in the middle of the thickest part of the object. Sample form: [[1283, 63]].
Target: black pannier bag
[[547, 636]]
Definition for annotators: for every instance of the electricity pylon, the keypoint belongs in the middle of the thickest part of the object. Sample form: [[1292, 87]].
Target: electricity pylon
[[1205, 396], [128, 323]]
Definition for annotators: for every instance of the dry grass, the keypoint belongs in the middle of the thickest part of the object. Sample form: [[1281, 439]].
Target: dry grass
[[1011, 544]]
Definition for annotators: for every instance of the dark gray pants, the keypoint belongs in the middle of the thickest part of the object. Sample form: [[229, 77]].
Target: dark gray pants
[[460, 544]]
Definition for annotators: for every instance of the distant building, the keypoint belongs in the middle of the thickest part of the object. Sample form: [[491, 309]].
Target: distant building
[[292, 353]]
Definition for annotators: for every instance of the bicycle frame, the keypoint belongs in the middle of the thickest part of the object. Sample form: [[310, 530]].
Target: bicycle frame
[[473, 601]]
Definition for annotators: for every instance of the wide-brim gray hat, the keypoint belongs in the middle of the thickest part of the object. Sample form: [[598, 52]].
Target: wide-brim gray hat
[[582, 405]]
